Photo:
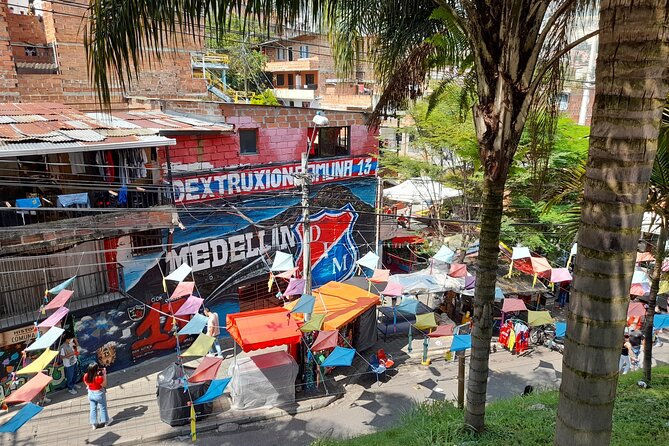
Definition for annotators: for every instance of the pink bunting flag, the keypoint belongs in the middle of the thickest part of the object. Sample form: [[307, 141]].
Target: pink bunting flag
[[30, 389], [644, 257], [540, 265], [287, 274], [636, 309], [325, 340], [511, 305], [380, 275], [458, 270], [442, 330], [56, 317], [191, 306], [639, 289], [60, 300], [183, 289], [393, 289], [207, 370], [560, 275], [295, 287]]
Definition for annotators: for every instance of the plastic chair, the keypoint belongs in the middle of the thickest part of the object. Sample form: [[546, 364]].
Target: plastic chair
[[376, 367], [384, 359]]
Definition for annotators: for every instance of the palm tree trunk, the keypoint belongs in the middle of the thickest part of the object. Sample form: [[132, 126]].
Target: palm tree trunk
[[630, 94], [486, 277], [652, 301]]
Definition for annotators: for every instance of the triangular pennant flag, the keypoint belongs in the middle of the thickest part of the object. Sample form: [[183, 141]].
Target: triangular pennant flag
[[61, 299], [369, 260], [560, 275], [380, 276], [325, 340], [520, 252], [207, 370], [393, 289], [470, 282], [314, 324], [442, 330], [39, 364], [60, 287], [46, 340], [29, 390], [461, 342], [636, 309], [199, 347], [458, 270], [215, 390], [287, 274], [282, 262], [179, 274], [305, 304], [195, 325], [425, 321], [190, 306], [408, 305], [20, 418], [339, 357], [55, 318], [295, 286], [183, 289], [445, 254]]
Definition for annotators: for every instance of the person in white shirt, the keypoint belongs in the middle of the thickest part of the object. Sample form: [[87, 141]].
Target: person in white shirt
[[68, 353], [213, 330]]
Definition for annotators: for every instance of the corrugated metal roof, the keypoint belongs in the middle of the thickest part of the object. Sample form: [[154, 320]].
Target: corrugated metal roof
[[83, 135]]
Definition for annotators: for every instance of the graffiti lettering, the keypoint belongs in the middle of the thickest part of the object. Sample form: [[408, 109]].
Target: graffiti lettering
[[155, 330]]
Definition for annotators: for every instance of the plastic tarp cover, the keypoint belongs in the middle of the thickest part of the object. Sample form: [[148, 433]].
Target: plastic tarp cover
[[266, 380], [364, 333], [173, 401]]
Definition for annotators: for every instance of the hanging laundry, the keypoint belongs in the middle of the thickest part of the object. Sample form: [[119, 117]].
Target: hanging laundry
[[77, 163], [106, 167]]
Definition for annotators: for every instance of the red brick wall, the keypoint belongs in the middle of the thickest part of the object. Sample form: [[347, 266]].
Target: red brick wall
[[8, 90], [26, 28]]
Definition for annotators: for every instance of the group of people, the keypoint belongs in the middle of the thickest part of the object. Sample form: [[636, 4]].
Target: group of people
[[630, 355]]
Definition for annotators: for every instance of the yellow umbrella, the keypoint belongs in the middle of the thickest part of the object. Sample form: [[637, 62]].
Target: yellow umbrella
[[425, 321], [535, 318], [314, 324], [200, 347], [38, 364]]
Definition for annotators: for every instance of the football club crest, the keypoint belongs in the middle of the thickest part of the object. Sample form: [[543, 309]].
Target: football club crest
[[333, 249]]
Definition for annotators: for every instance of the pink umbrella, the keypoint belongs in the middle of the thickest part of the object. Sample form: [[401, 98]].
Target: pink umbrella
[[393, 289], [442, 330], [636, 309], [54, 318], [560, 275], [191, 306], [458, 270], [183, 289], [510, 305], [325, 340], [380, 275], [60, 300], [295, 287]]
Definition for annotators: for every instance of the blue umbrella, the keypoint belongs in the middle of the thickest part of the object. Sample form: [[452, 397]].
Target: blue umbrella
[[340, 356], [304, 305], [461, 342], [216, 389]]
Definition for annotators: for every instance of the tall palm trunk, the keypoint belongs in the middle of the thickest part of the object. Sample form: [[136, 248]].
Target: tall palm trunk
[[491, 218], [660, 253], [630, 94]]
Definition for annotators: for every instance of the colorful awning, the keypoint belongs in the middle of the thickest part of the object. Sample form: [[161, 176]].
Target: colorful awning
[[269, 327]]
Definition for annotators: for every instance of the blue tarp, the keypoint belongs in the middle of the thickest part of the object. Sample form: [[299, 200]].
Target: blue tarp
[[22, 417], [304, 305], [216, 389], [195, 325], [560, 329], [340, 356], [461, 342], [28, 203], [660, 321]]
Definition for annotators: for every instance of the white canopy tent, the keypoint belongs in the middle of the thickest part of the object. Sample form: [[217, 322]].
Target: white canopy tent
[[421, 191]]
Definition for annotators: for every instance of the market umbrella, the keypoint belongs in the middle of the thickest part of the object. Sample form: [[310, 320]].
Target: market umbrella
[[340, 356], [636, 309], [216, 389], [325, 340], [442, 330], [314, 324], [536, 318], [207, 370], [445, 254], [39, 364], [282, 262], [425, 321], [179, 274], [458, 270], [190, 306], [195, 325], [61, 299], [295, 287], [380, 276], [461, 342], [305, 304], [199, 347]]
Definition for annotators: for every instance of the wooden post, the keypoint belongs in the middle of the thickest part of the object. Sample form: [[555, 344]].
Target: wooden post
[[461, 380]]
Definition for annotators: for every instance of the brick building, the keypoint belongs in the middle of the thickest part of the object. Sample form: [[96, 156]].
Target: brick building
[[304, 75]]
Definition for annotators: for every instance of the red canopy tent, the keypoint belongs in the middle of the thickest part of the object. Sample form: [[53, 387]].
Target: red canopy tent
[[257, 329]]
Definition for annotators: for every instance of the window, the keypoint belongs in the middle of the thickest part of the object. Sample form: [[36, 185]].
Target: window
[[280, 54], [290, 53], [563, 101], [304, 51], [310, 79], [306, 104], [291, 104], [248, 142], [280, 80], [146, 242], [291, 80], [30, 51], [332, 141]]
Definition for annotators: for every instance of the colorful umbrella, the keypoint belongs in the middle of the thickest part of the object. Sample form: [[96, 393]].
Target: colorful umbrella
[[340, 356]]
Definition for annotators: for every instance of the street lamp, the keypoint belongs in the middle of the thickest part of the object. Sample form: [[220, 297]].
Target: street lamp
[[319, 120]]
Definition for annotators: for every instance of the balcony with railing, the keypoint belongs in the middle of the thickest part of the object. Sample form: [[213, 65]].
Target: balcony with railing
[[306, 92], [305, 64]]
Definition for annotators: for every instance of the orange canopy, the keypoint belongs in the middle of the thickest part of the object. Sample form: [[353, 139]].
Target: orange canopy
[[270, 327], [341, 303]]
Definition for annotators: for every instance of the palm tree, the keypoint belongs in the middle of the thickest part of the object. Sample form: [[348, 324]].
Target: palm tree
[[509, 44], [631, 93]]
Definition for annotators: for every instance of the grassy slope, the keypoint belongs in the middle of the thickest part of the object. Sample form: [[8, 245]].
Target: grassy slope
[[641, 418]]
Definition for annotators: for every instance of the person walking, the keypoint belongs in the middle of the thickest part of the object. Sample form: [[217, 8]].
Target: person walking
[[95, 379], [68, 353], [213, 330], [625, 364]]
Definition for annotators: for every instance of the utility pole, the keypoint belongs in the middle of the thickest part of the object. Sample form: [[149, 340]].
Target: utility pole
[[379, 212], [306, 229]]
